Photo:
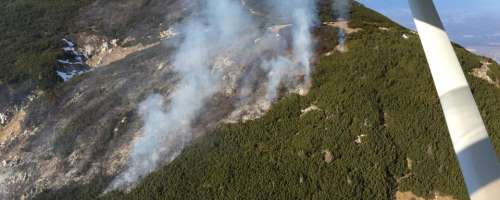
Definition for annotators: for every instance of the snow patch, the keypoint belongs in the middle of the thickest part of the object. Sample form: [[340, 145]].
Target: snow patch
[[73, 63], [67, 62], [3, 119], [68, 43], [66, 76]]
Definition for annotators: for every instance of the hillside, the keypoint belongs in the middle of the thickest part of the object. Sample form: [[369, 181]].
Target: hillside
[[370, 126], [378, 129]]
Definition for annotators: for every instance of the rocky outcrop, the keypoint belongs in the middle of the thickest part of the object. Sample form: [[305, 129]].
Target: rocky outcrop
[[482, 73]]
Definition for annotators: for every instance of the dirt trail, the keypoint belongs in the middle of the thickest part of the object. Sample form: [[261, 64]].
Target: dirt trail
[[344, 25]]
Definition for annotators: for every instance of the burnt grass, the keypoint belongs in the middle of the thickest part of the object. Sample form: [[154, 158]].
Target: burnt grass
[[381, 88]]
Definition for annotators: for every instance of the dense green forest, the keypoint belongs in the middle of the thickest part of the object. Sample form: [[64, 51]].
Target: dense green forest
[[31, 32], [379, 130]]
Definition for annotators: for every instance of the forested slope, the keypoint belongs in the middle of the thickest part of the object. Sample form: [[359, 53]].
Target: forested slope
[[374, 127]]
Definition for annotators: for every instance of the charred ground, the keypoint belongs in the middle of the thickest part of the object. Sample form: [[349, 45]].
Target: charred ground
[[378, 120]]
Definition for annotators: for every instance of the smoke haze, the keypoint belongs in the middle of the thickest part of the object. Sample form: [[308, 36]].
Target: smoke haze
[[302, 16], [215, 41], [341, 11]]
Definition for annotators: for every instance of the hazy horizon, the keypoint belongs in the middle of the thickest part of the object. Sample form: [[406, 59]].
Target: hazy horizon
[[473, 24]]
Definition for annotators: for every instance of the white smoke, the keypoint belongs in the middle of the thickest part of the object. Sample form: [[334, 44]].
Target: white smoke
[[278, 71], [222, 28], [341, 12], [303, 16], [166, 132], [341, 9]]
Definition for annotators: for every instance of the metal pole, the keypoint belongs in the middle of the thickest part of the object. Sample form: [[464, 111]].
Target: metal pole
[[476, 156]]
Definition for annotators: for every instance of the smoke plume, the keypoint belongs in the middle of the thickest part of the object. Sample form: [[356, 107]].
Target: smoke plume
[[278, 71], [166, 132], [303, 16], [221, 32], [341, 12], [304, 19]]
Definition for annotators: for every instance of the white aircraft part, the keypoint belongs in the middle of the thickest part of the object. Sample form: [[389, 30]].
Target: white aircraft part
[[476, 156]]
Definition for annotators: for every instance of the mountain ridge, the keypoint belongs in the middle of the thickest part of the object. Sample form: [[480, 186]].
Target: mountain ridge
[[366, 121]]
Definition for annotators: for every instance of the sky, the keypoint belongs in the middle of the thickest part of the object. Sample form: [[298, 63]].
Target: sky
[[474, 24]]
